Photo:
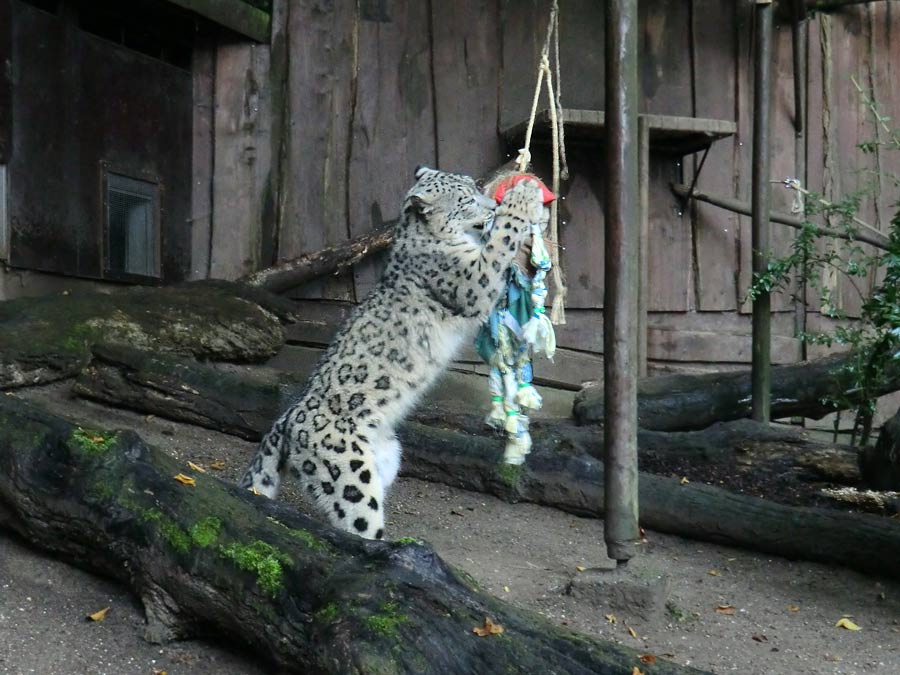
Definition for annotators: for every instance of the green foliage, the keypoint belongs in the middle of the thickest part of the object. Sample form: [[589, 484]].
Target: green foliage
[[206, 531], [873, 338], [387, 621], [92, 442], [327, 614], [261, 558]]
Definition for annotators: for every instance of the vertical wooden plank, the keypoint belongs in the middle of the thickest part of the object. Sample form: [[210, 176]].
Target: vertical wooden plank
[[203, 71], [715, 230], [5, 81], [322, 74], [521, 44], [392, 117], [671, 246], [466, 61], [782, 151], [582, 225], [644, 248], [816, 133], [665, 64], [242, 157], [743, 27]]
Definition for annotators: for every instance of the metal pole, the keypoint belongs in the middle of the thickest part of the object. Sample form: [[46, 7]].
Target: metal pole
[[761, 377], [621, 278]]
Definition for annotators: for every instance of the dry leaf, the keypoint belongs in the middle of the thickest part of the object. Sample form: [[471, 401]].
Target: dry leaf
[[647, 658], [98, 616], [580, 568], [793, 608], [196, 467], [713, 573], [218, 465], [834, 658], [846, 623], [185, 480], [631, 631], [637, 671], [611, 618], [255, 491], [506, 589], [489, 628], [684, 480], [725, 609], [759, 638]]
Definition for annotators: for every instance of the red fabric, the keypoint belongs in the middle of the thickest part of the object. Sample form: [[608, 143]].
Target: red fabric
[[512, 180]]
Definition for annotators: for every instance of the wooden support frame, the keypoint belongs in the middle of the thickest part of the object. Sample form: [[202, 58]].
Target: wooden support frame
[[761, 193], [620, 338]]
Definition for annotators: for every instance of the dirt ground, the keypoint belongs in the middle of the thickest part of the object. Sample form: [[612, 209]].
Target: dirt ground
[[728, 610]]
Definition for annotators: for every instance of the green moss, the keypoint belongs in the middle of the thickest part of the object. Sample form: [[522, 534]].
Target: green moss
[[205, 531], [387, 620], [92, 442], [327, 614], [510, 474], [177, 538], [263, 559], [404, 541], [311, 540]]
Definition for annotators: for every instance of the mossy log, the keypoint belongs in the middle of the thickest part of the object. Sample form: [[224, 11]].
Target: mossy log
[[49, 338], [684, 402], [208, 559], [563, 469]]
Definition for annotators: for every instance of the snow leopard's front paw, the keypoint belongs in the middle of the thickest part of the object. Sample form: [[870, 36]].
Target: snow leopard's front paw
[[524, 201]]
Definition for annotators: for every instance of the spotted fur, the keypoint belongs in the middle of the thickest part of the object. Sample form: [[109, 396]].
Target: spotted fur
[[443, 276]]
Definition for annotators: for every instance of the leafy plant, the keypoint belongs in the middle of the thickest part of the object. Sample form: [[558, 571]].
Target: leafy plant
[[818, 254]]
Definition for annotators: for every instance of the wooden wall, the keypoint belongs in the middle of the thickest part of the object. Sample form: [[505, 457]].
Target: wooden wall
[[362, 92]]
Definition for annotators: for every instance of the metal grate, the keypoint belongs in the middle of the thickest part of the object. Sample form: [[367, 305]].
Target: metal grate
[[132, 226], [4, 220]]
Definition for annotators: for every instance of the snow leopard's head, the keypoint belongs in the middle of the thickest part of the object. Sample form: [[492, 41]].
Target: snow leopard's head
[[448, 207]]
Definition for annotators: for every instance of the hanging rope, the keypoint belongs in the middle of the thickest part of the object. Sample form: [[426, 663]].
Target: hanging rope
[[560, 164]]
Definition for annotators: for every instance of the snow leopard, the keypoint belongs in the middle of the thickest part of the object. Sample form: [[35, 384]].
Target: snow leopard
[[446, 269]]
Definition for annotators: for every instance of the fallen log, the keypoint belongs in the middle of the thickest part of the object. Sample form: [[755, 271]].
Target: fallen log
[[562, 470], [49, 338], [208, 559], [684, 402], [331, 260]]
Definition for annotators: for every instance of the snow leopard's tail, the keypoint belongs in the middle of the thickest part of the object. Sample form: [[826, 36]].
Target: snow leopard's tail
[[264, 474]]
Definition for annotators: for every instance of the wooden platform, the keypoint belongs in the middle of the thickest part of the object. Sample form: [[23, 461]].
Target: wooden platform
[[668, 134]]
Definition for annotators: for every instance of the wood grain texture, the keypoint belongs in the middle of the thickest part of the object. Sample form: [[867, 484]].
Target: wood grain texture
[[243, 158], [466, 52], [321, 78], [204, 73], [392, 118], [715, 231]]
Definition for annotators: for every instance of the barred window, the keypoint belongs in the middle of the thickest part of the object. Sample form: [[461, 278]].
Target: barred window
[[132, 226]]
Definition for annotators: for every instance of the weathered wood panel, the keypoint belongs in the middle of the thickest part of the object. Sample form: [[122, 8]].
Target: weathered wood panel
[[714, 346], [665, 63], [5, 82], [671, 243], [715, 230], [743, 28], [243, 158], [204, 74], [466, 51], [581, 230], [392, 118], [139, 128], [321, 78]]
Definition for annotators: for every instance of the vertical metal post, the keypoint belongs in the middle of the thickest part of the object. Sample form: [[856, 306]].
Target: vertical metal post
[[761, 378], [621, 278]]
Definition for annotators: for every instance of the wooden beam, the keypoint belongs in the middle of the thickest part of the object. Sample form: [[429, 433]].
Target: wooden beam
[[621, 284], [868, 235], [761, 198], [233, 14]]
